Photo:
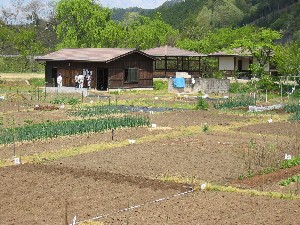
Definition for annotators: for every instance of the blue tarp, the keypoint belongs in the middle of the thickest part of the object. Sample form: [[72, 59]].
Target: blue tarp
[[179, 82]]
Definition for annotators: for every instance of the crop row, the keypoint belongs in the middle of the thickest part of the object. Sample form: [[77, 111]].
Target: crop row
[[292, 179], [241, 101], [290, 163], [92, 111], [64, 128]]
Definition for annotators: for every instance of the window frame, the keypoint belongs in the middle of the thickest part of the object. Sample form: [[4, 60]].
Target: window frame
[[128, 76]]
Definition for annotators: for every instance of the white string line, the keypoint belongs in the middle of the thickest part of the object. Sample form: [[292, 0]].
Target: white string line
[[136, 206]]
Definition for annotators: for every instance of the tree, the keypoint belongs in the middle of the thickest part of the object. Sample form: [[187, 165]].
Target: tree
[[287, 59], [148, 33], [225, 13], [216, 40], [6, 36], [112, 36], [260, 44], [80, 23], [27, 44]]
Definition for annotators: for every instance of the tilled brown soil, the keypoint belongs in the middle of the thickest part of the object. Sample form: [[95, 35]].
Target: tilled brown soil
[[213, 208], [270, 182], [38, 194], [105, 183]]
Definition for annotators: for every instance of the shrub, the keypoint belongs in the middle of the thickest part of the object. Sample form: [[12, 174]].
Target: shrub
[[266, 82], [202, 104], [160, 85], [242, 88]]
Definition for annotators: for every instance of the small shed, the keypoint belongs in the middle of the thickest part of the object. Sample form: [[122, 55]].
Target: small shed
[[108, 68], [170, 60]]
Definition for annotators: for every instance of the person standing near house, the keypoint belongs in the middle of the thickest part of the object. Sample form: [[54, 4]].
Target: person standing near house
[[76, 81], [89, 80], [59, 80], [80, 81]]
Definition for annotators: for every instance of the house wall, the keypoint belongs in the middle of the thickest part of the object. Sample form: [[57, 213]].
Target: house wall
[[116, 71], [135, 60], [226, 63], [203, 85]]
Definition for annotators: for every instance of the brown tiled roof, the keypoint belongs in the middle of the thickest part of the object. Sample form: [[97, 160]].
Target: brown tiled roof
[[89, 54], [171, 51], [231, 52]]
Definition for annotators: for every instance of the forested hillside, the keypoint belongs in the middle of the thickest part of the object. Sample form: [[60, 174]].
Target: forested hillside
[[197, 17]]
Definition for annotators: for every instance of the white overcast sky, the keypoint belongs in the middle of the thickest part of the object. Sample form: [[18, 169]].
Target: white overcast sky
[[145, 4]]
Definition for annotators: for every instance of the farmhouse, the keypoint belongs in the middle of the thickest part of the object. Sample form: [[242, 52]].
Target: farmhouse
[[170, 60], [237, 61], [109, 68]]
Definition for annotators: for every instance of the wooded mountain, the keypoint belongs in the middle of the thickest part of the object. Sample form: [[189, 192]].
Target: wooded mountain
[[197, 17]]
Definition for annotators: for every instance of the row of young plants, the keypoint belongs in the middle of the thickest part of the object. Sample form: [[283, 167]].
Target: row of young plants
[[241, 101], [290, 163], [92, 111], [31, 132], [290, 180]]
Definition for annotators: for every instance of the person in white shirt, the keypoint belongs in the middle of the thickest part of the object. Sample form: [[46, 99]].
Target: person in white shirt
[[76, 81], [59, 80], [80, 81]]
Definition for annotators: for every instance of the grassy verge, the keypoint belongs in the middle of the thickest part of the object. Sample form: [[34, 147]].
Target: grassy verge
[[214, 187], [23, 76]]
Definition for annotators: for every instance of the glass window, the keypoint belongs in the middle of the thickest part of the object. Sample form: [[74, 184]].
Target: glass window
[[171, 63], [131, 75], [160, 63], [194, 65]]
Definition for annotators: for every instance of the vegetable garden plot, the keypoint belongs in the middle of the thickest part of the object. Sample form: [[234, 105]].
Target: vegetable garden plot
[[211, 155], [38, 194], [100, 110], [64, 128]]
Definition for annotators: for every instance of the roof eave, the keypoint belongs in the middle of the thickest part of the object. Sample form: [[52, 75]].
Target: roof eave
[[129, 53]]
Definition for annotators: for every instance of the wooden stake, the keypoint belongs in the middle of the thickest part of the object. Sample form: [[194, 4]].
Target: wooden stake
[[66, 213]]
